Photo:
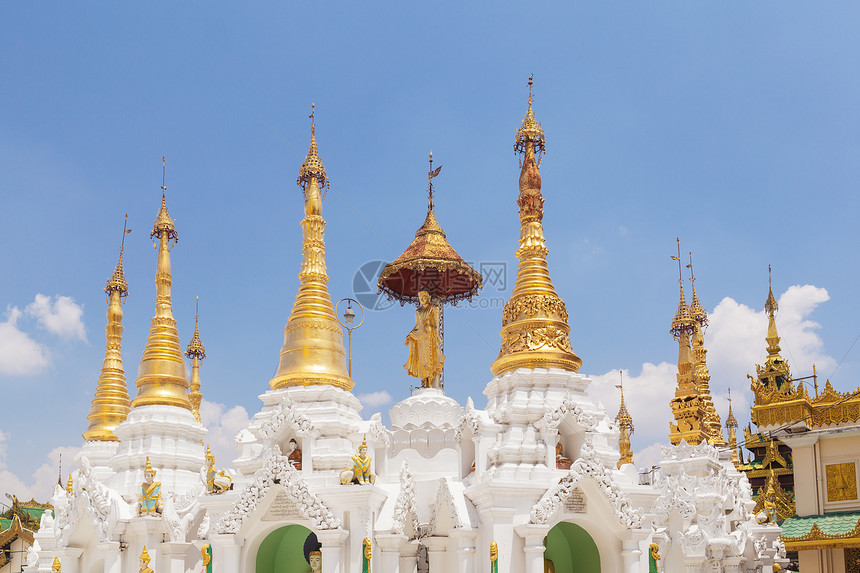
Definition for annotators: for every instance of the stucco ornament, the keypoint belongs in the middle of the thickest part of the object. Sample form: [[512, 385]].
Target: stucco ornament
[[105, 505], [181, 511], [66, 516], [277, 467], [471, 419], [283, 416], [380, 434], [405, 510], [444, 498], [554, 416], [587, 465]]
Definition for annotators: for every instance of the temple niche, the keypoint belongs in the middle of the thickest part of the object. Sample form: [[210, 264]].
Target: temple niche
[[540, 478]]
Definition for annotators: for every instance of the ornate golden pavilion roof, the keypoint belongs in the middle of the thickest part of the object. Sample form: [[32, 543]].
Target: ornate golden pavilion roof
[[429, 263], [535, 332]]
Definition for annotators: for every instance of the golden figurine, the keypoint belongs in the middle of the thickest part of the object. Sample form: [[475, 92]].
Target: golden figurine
[[561, 462], [315, 561], [56, 565], [653, 557], [150, 492], [216, 481], [144, 562], [425, 347], [770, 501], [367, 553], [360, 472]]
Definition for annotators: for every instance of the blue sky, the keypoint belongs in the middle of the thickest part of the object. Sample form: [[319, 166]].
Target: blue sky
[[734, 127]]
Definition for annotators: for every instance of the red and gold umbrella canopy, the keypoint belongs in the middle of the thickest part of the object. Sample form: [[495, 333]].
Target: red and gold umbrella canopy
[[430, 263]]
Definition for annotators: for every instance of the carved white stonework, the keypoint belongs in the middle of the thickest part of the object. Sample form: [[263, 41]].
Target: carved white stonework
[[280, 417], [380, 434], [426, 408], [587, 466], [444, 498], [405, 510], [471, 419], [278, 467], [105, 506], [553, 417]]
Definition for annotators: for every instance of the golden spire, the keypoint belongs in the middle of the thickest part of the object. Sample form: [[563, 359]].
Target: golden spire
[[535, 333], [313, 351], [687, 406], [56, 565], [196, 352], [110, 404], [625, 425], [161, 376], [732, 426], [713, 426], [70, 486], [771, 306]]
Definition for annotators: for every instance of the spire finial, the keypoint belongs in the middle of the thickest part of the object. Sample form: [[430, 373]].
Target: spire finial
[[696, 310], [531, 84], [625, 426], [683, 321], [312, 168], [430, 175], [117, 282], [530, 134], [163, 176]]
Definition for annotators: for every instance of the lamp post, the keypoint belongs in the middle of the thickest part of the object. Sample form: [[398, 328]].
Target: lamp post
[[348, 319]]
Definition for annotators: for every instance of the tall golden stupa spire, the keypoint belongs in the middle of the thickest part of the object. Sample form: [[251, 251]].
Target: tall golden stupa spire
[[687, 407], [161, 377], [535, 332], [625, 426], [702, 376], [313, 352], [732, 428], [111, 405], [196, 352], [771, 306]]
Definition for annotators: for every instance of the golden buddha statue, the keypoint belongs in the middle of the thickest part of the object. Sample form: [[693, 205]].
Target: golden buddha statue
[[425, 346]]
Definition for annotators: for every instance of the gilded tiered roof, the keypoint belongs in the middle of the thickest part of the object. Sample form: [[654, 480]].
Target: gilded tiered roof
[[313, 351], [535, 332], [111, 405]]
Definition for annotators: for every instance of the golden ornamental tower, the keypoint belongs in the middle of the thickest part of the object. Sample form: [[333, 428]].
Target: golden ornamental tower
[[713, 425], [313, 352], [687, 407], [196, 352], [732, 429], [625, 426], [535, 332], [161, 377], [111, 405]]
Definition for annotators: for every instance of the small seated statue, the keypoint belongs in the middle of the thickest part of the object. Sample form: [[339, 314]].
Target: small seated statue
[[770, 502], [216, 481], [295, 454], [360, 472], [561, 462], [144, 562], [150, 493]]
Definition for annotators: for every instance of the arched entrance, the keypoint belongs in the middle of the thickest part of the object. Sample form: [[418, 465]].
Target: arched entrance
[[568, 543], [282, 551]]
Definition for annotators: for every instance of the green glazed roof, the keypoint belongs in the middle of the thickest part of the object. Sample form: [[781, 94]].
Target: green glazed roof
[[4, 524], [829, 524]]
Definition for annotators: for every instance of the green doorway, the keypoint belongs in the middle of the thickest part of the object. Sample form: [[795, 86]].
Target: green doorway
[[568, 543], [282, 551]]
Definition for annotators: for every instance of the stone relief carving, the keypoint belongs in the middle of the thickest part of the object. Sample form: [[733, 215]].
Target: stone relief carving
[[405, 510], [277, 469], [588, 465], [380, 434], [104, 504], [471, 419], [280, 417], [444, 497], [66, 515], [553, 417]]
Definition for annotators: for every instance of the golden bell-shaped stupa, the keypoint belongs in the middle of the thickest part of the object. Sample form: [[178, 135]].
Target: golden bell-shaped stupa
[[535, 332], [313, 351], [110, 404], [161, 376]]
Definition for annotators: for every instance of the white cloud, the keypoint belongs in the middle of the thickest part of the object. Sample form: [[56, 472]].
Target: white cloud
[[735, 341], [648, 457], [43, 480], [19, 354], [223, 425], [61, 317], [374, 399]]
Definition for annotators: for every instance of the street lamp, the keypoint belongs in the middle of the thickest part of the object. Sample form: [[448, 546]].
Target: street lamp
[[348, 319]]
